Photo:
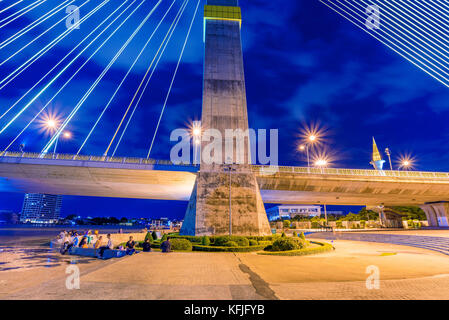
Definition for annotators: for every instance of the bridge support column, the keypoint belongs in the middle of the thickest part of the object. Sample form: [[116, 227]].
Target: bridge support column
[[437, 213], [226, 198]]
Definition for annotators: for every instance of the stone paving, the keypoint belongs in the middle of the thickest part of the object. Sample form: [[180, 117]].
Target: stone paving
[[405, 272], [435, 243]]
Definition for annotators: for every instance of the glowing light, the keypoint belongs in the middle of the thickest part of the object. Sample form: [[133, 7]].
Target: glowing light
[[51, 123], [323, 158], [67, 135], [321, 163], [406, 162], [195, 130], [312, 135]]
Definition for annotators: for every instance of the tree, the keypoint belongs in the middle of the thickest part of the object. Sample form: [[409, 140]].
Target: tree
[[154, 235], [287, 224]]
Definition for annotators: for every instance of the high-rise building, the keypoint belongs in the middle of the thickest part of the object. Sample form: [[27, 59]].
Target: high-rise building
[[41, 208]]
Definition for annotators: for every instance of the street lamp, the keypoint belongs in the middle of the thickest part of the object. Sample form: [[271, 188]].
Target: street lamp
[[406, 162], [310, 140], [65, 135], [388, 153], [196, 136]]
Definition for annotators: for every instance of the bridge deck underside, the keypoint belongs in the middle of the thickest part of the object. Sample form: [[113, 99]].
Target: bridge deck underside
[[84, 178]]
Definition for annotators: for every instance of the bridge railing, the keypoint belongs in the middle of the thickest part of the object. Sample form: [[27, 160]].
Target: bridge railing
[[59, 156], [256, 168], [352, 172]]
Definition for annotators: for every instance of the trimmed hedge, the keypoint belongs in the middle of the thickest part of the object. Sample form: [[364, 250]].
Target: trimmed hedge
[[323, 247], [227, 249], [253, 242], [288, 244], [195, 239], [181, 244]]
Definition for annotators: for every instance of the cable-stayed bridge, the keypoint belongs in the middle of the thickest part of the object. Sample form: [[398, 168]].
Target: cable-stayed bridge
[[224, 107]]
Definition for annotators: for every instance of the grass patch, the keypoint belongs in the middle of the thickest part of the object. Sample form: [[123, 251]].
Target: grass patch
[[319, 247]]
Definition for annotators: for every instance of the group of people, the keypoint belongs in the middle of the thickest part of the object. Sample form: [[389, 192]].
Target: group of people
[[93, 240], [70, 239]]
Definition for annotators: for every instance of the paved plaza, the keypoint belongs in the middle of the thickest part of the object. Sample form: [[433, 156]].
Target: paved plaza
[[405, 273]]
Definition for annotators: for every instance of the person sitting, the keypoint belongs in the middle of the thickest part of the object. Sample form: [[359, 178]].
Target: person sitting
[[108, 246], [146, 245], [67, 243], [166, 245], [83, 242], [130, 246], [97, 244]]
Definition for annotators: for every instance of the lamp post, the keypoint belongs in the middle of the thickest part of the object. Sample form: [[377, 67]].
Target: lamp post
[[321, 163], [196, 135], [388, 153], [310, 140], [325, 214], [66, 135], [230, 169]]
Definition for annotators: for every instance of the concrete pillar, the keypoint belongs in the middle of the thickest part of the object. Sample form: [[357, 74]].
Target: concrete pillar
[[225, 201], [430, 214], [442, 213]]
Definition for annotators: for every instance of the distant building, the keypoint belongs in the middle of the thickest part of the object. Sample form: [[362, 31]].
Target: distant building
[[8, 216], [290, 211], [335, 213], [41, 208], [160, 223]]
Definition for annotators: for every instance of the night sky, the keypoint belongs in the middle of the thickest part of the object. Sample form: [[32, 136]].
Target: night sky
[[304, 65]]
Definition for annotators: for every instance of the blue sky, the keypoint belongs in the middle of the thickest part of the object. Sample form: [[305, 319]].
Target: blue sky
[[303, 64]]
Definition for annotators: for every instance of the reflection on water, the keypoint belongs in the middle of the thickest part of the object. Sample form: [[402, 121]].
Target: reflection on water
[[15, 258]]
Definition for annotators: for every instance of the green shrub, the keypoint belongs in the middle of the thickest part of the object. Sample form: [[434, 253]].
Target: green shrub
[[181, 244], [253, 242], [231, 244], [287, 224], [323, 247], [265, 243], [149, 236], [221, 240], [262, 238], [196, 239], [154, 235], [283, 235], [164, 237], [287, 244], [295, 234], [302, 236], [205, 241], [240, 240], [315, 225]]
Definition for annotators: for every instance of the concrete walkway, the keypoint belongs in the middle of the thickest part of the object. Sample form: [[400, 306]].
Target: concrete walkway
[[405, 273], [438, 243]]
